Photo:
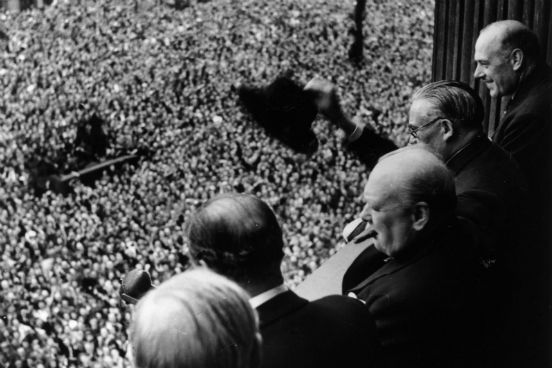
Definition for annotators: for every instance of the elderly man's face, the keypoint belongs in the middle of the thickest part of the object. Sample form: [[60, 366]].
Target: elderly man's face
[[494, 65], [390, 218]]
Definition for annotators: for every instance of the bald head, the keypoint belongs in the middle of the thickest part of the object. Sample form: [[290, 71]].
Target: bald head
[[409, 192], [238, 236], [415, 174], [505, 52], [195, 319], [511, 34]]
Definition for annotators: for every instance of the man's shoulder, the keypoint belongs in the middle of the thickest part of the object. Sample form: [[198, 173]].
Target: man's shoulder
[[535, 97], [331, 313], [333, 309], [539, 81], [289, 306], [493, 165], [527, 123], [480, 154], [328, 332]]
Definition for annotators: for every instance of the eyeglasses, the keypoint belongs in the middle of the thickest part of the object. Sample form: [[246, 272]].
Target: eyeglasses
[[414, 131]]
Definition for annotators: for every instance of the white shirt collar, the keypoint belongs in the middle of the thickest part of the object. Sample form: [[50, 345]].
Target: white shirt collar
[[265, 296]]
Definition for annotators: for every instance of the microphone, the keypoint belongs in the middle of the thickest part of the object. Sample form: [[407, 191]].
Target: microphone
[[135, 285]]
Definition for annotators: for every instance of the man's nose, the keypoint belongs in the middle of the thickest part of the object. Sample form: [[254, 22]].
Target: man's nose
[[365, 214], [478, 73]]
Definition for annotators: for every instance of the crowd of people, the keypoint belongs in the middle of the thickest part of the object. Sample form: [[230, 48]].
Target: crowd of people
[[164, 80]]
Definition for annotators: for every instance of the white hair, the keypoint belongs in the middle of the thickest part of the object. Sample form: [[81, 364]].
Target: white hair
[[197, 319]]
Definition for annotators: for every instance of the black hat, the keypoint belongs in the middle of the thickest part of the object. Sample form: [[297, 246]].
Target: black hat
[[285, 110]]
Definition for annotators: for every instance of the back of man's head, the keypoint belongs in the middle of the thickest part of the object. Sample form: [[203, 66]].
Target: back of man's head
[[513, 34], [456, 101], [195, 319], [238, 236], [420, 176]]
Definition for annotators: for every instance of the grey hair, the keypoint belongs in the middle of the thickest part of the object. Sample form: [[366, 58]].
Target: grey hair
[[196, 319], [456, 101]]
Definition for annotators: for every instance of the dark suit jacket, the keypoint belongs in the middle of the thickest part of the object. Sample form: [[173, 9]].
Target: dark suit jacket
[[424, 303], [334, 331], [491, 194], [525, 131]]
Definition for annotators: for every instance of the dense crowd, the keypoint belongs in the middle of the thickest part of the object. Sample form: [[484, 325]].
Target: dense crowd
[[164, 80]]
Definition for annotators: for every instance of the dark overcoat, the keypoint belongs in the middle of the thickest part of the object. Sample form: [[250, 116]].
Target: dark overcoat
[[335, 331]]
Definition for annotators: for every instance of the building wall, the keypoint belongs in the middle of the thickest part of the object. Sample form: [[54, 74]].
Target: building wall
[[457, 25]]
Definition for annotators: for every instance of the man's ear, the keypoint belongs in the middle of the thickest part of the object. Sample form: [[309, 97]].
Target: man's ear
[[447, 128], [201, 263], [420, 215], [516, 59], [198, 262]]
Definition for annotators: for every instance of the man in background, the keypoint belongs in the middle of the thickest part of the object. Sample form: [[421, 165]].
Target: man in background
[[447, 117], [238, 236], [510, 63]]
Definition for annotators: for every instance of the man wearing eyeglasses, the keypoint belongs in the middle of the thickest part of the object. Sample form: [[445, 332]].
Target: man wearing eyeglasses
[[447, 117]]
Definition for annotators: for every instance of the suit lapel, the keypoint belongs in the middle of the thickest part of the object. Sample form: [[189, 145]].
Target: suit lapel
[[536, 80], [279, 306]]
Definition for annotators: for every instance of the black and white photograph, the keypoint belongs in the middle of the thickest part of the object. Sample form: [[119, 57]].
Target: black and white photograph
[[275, 183]]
